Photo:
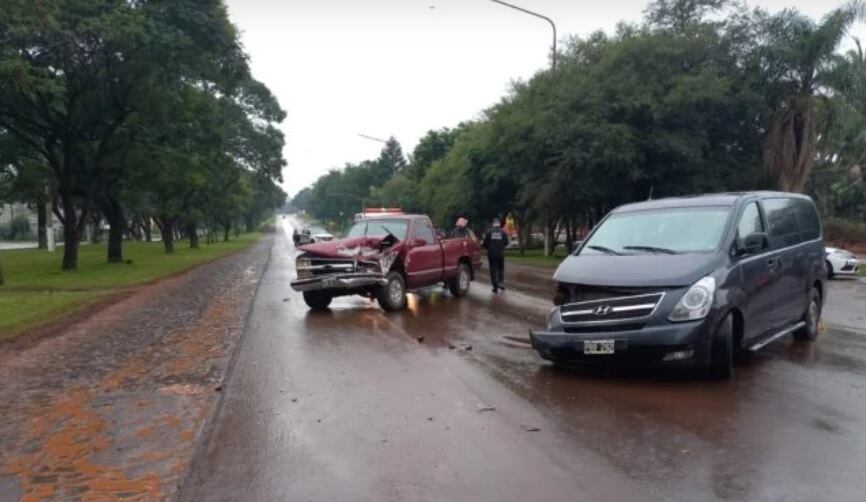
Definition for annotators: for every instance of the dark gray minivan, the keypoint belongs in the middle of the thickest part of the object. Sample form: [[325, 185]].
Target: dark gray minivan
[[689, 281]]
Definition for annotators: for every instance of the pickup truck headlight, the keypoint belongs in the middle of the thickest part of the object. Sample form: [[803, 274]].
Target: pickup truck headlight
[[696, 302], [302, 265]]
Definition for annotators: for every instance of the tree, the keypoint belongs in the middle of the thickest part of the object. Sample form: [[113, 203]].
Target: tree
[[839, 180], [389, 163], [302, 201], [77, 81], [209, 159], [431, 147], [797, 54], [702, 96]]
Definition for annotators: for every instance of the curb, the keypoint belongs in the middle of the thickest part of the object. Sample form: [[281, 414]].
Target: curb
[[200, 449]]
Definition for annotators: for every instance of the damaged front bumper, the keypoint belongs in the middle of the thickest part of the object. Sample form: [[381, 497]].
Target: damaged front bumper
[[349, 281]]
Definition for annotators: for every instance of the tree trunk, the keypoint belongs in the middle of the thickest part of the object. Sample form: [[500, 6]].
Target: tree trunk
[[42, 223], [95, 227], [114, 214], [72, 227], [134, 229], [70, 243], [1, 274], [167, 229], [192, 230], [789, 147], [147, 227], [226, 230]]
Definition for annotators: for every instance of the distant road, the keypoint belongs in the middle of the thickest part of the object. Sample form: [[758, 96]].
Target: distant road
[[17, 245]]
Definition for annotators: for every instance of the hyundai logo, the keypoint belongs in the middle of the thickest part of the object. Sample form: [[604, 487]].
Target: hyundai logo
[[602, 310]]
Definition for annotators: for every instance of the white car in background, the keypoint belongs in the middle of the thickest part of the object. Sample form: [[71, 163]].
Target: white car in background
[[322, 237], [841, 262]]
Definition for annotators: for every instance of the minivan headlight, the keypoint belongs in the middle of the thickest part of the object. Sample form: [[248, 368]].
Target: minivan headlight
[[696, 302]]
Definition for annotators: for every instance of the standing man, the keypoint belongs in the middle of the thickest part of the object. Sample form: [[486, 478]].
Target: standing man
[[460, 229], [495, 241]]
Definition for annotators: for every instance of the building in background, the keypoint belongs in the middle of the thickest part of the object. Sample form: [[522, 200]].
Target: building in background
[[16, 211]]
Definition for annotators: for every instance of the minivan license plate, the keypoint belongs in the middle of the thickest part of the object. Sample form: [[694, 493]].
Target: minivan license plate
[[596, 347]]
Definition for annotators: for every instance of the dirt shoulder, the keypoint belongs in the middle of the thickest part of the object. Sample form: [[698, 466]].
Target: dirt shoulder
[[535, 280], [113, 406]]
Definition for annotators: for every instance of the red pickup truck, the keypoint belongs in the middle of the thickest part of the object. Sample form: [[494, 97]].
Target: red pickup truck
[[384, 257]]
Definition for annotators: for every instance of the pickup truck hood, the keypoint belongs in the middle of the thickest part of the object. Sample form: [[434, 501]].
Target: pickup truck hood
[[642, 270], [361, 247]]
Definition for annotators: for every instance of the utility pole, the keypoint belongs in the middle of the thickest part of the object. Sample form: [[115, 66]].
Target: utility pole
[[540, 16], [548, 247]]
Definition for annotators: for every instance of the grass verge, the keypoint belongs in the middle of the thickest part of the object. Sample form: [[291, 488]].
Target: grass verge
[[20, 310], [37, 292]]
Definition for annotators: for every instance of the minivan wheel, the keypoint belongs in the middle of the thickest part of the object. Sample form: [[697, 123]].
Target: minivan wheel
[[392, 296], [459, 286], [812, 317], [317, 300], [722, 350]]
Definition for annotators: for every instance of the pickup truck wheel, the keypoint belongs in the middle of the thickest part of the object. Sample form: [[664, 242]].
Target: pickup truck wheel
[[392, 296], [459, 286], [317, 300]]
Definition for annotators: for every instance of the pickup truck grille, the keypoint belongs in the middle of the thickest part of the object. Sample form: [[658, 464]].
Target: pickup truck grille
[[611, 310], [311, 267]]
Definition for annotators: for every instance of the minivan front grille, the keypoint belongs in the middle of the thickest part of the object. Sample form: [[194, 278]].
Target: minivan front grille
[[576, 293], [611, 310]]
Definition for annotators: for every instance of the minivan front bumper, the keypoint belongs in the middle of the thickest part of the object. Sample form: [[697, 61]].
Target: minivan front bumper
[[665, 344]]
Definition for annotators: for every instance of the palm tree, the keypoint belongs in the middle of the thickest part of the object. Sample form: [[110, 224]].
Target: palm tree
[[799, 53]]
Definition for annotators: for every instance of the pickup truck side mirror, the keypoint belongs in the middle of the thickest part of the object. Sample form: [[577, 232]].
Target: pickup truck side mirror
[[753, 243], [418, 242]]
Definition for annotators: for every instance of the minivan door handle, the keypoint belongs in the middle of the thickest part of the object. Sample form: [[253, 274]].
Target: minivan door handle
[[772, 262]]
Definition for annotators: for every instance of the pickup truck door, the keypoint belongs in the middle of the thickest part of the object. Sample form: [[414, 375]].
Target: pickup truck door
[[424, 259]]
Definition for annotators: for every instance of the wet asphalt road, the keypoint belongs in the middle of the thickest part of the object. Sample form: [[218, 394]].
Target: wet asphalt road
[[352, 405]]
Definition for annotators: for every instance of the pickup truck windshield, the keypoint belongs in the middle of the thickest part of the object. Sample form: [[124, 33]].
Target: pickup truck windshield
[[379, 228], [660, 231]]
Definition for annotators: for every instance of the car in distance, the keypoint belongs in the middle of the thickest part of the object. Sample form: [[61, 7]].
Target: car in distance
[[305, 236], [383, 257], [841, 262], [689, 281], [321, 236]]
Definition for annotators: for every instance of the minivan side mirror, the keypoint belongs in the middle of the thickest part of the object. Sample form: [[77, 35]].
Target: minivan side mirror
[[753, 243]]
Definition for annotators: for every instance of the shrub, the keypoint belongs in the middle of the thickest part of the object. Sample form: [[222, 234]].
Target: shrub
[[839, 231]]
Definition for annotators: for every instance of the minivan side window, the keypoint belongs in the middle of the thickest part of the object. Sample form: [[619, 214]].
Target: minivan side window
[[750, 222], [807, 215], [782, 218]]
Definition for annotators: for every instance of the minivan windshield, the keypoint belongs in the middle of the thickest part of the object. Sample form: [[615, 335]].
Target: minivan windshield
[[379, 228], [660, 231]]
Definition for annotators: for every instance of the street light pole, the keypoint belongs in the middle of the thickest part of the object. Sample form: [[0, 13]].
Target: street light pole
[[536, 14], [371, 138]]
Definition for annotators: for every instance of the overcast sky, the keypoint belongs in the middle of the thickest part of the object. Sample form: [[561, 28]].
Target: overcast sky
[[401, 67]]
